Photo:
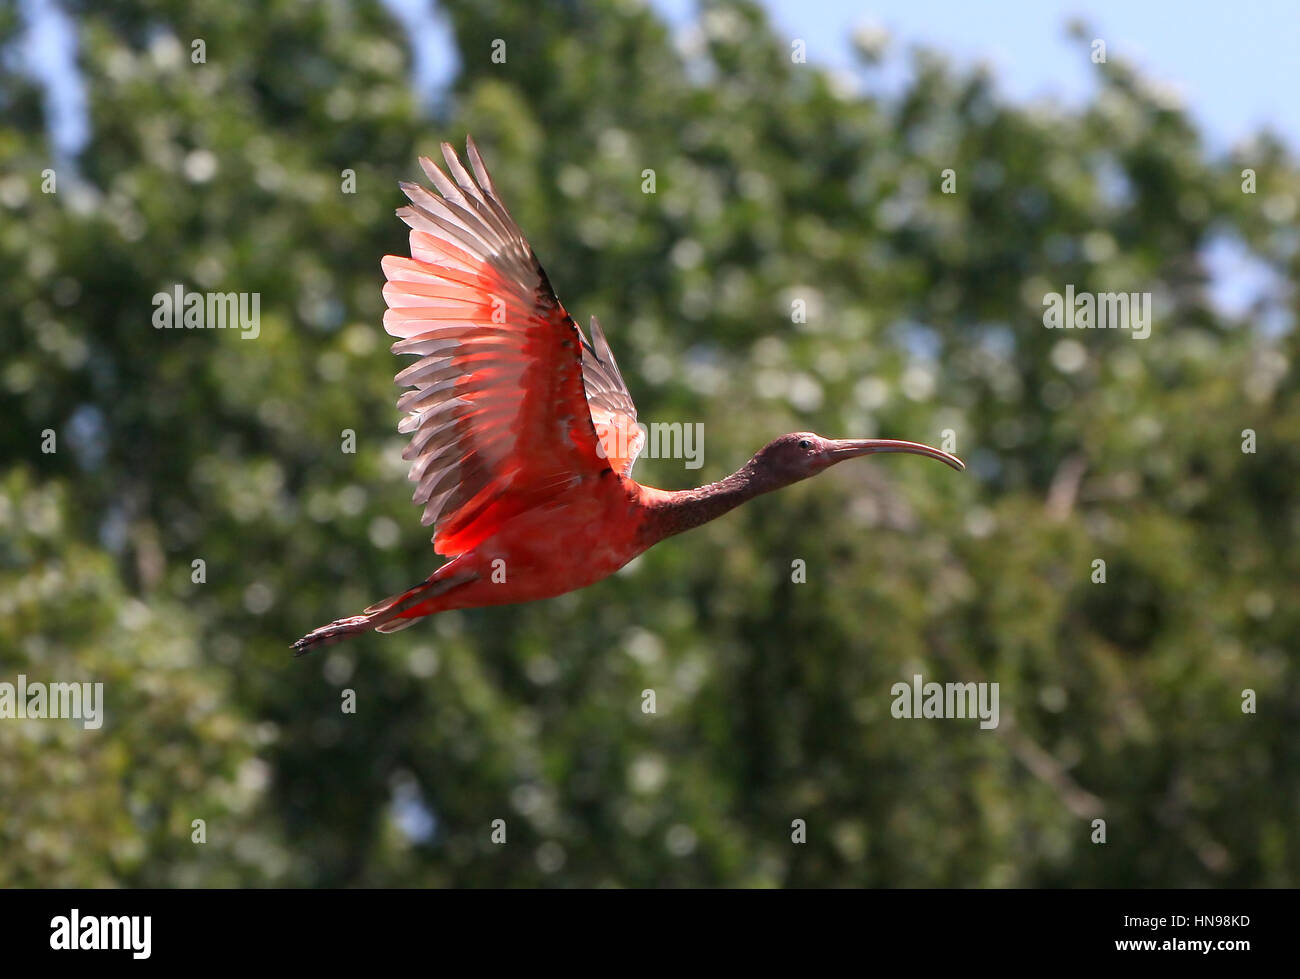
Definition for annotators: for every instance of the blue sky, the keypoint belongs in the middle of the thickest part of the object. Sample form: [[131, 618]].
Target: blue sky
[[1236, 62]]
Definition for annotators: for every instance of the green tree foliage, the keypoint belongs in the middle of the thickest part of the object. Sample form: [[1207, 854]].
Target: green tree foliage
[[777, 186]]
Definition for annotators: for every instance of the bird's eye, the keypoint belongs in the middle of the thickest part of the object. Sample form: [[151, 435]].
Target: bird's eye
[[805, 444]]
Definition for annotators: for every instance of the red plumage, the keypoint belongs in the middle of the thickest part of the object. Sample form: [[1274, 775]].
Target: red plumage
[[523, 433]]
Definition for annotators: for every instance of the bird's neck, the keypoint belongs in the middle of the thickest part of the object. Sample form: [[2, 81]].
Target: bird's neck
[[669, 512]]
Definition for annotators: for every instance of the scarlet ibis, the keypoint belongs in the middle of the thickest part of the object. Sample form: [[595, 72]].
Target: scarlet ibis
[[523, 430]]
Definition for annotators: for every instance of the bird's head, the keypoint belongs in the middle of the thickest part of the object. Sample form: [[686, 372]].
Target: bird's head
[[799, 455]]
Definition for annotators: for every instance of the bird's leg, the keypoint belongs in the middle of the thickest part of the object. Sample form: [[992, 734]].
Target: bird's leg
[[336, 631], [388, 615]]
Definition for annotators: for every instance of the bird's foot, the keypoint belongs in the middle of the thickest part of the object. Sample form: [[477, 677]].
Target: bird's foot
[[334, 632]]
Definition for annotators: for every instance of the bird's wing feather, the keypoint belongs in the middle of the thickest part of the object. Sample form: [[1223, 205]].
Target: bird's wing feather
[[612, 409], [498, 414]]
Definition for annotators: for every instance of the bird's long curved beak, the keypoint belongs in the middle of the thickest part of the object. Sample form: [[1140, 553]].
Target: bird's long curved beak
[[851, 448]]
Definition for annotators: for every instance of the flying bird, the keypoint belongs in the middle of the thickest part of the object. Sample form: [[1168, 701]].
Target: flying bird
[[523, 433]]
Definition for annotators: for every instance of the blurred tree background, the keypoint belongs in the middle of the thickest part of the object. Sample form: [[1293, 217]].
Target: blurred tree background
[[775, 182]]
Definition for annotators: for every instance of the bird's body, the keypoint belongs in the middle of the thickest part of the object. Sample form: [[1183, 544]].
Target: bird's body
[[566, 543], [523, 431]]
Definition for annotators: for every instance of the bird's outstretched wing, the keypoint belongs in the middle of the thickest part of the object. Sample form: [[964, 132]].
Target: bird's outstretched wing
[[612, 409], [499, 416]]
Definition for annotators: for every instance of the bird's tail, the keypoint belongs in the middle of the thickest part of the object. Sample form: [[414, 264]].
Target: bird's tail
[[387, 616]]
